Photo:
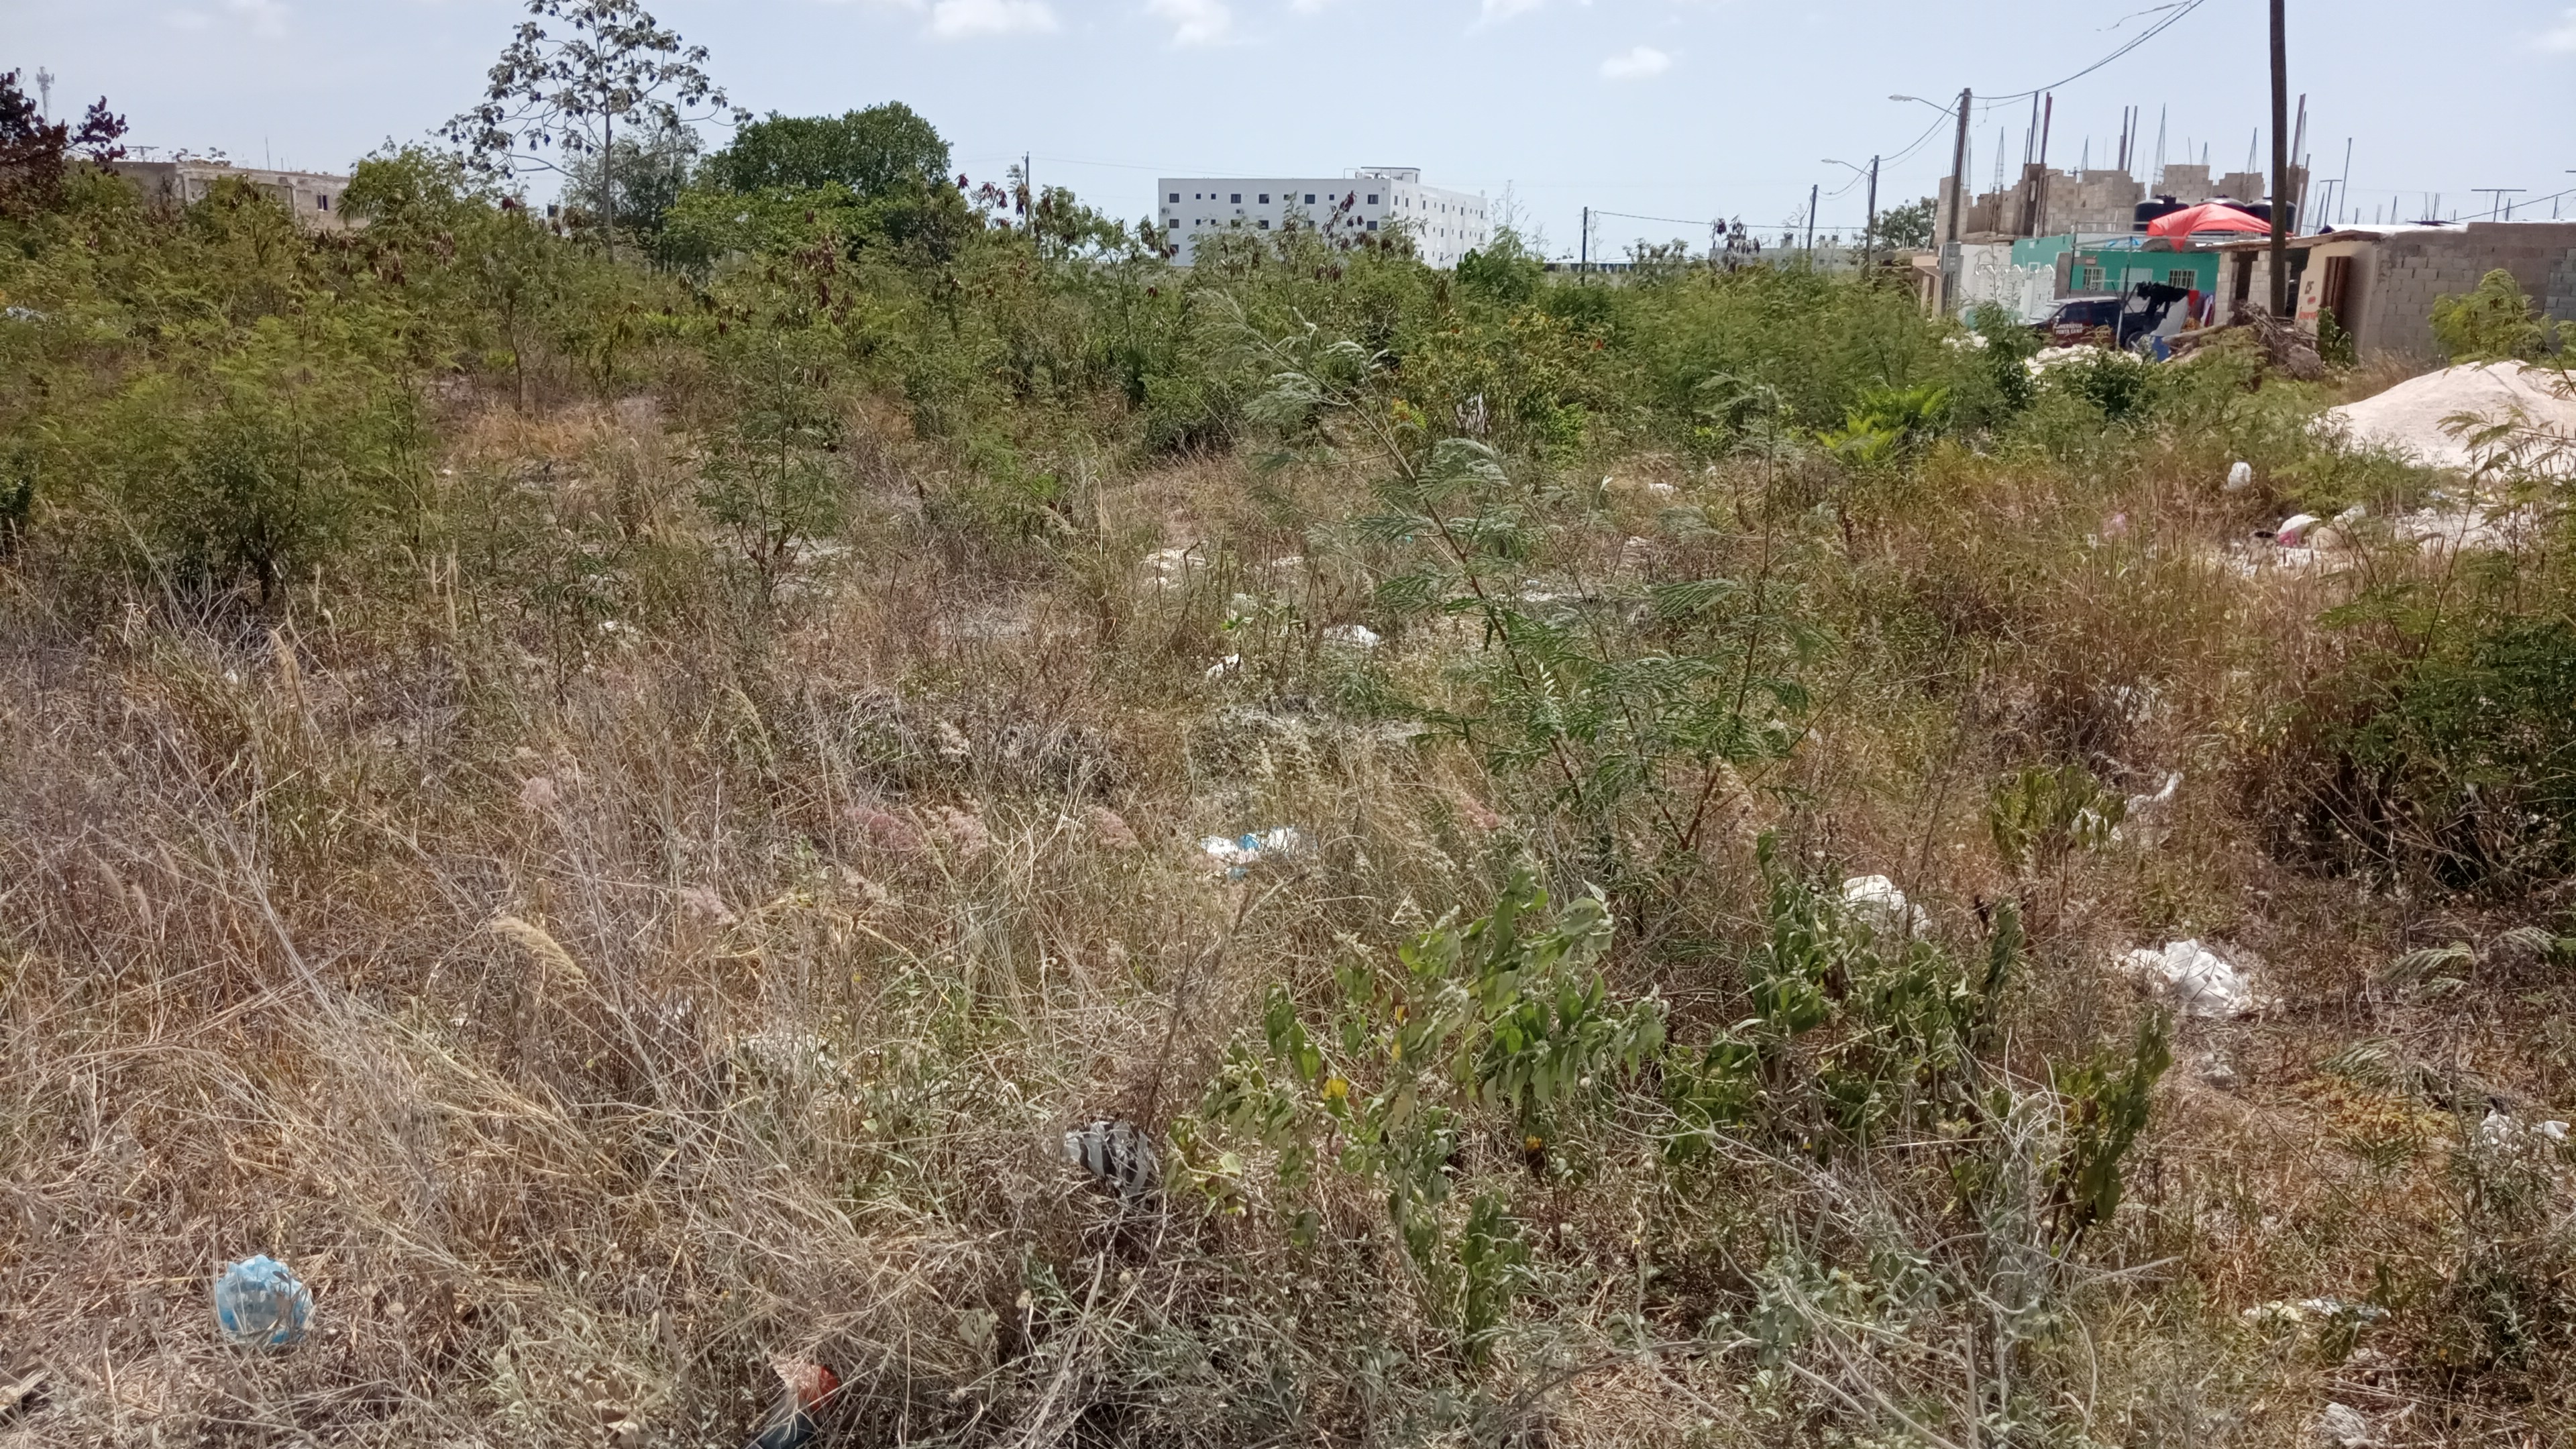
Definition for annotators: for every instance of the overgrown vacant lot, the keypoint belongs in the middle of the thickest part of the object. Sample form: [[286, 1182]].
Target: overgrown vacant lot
[[614, 815]]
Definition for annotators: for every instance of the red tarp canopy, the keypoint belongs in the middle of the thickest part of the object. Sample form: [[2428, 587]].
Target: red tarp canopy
[[2208, 216]]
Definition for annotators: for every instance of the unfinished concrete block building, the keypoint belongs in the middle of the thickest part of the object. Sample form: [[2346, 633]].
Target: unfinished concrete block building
[[2380, 282]]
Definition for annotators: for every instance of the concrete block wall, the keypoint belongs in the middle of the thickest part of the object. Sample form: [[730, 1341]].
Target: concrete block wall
[[2412, 270]]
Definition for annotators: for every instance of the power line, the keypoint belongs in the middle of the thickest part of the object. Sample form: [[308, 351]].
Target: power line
[[2180, 11]]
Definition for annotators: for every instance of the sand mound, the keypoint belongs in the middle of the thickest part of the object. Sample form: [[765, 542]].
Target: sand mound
[[2409, 418]]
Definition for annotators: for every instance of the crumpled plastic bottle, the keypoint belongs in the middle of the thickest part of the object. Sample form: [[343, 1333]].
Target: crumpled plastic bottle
[[260, 1303]]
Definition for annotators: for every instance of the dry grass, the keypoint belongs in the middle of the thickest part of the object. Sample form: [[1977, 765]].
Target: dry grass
[[590, 1013]]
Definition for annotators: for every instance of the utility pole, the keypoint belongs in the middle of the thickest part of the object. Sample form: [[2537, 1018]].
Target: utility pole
[[1813, 193], [2343, 188], [1959, 173], [1869, 238], [45, 90], [2280, 158], [1583, 248], [2039, 183], [1958, 197]]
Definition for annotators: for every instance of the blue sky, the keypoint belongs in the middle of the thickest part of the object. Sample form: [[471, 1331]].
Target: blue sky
[[1684, 109]]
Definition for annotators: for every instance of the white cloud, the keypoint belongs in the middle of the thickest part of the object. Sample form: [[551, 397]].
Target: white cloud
[[974, 19], [1642, 63], [1195, 22], [2562, 39], [1505, 9]]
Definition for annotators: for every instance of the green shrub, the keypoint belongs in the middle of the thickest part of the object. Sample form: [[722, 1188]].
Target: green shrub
[[2494, 323]]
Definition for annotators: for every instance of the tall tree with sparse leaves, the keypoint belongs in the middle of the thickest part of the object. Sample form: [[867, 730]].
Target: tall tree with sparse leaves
[[567, 94]]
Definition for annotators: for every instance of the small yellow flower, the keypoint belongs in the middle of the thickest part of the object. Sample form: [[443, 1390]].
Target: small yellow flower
[[1336, 1090], [1533, 1143]]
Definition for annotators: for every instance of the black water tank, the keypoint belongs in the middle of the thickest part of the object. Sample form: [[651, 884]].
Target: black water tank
[[2148, 211]]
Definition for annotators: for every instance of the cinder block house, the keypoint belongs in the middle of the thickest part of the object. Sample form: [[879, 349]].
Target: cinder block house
[[2381, 281], [313, 197]]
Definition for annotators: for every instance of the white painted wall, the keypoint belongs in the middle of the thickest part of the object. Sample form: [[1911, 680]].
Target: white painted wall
[[1445, 224]]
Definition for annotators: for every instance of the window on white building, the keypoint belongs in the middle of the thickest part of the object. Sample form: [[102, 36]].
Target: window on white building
[[1176, 196], [1265, 198], [1238, 198], [1310, 198], [1372, 198]]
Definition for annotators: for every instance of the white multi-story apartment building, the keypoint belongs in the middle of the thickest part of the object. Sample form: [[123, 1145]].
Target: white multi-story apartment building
[[1444, 225]]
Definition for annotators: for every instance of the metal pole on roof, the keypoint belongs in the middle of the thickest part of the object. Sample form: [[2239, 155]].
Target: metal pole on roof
[[2280, 159]]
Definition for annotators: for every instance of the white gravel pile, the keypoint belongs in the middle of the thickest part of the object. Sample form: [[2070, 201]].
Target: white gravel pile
[[2410, 419]]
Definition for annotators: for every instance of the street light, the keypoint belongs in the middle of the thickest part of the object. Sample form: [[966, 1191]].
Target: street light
[[1949, 110]]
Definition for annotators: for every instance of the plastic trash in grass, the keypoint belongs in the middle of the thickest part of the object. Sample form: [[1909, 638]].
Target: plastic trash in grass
[[2240, 477], [795, 1421], [2198, 980], [1240, 854], [1875, 901], [1118, 1155], [260, 1303]]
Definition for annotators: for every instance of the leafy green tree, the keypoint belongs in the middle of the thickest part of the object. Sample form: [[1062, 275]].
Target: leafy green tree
[[1504, 271], [641, 176], [615, 65], [2492, 324], [1907, 227], [870, 152]]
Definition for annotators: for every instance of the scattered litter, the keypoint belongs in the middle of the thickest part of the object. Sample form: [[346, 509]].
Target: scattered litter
[[1352, 636], [1223, 667], [2341, 1426], [1170, 568], [2451, 527], [2292, 1312], [2413, 419], [1240, 854], [2198, 979], [2148, 819], [792, 1425], [2219, 1072], [2501, 1130], [539, 794], [1875, 900], [2240, 477], [1118, 1154], [260, 1303], [2293, 532], [2050, 357]]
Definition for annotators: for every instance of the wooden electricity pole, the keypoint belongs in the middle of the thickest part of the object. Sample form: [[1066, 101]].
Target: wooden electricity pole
[[2280, 158]]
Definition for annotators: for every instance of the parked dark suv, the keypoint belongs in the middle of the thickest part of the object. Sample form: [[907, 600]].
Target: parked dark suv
[[2127, 319]]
